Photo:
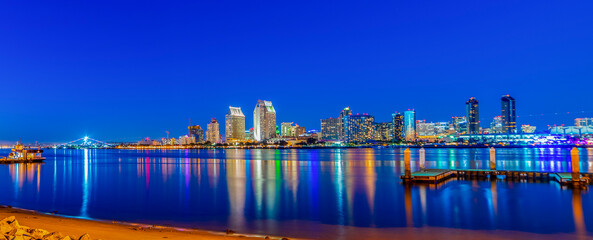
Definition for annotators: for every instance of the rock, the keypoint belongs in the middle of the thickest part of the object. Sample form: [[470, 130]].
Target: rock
[[38, 233], [5, 227], [85, 236], [53, 236], [15, 224], [229, 231], [8, 219], [17, 232]]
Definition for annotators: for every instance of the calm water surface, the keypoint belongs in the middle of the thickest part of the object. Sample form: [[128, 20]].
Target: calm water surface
[[294, 192]]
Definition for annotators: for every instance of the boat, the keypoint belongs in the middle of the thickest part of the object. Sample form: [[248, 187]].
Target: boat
[[23, 154]]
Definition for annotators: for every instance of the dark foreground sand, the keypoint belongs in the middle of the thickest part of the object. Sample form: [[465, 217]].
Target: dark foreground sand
[[114, 230]]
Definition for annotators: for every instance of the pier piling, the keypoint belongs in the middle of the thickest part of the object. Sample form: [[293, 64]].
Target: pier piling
[[492, 158], [574, 157], [422, 153], [407, 158]]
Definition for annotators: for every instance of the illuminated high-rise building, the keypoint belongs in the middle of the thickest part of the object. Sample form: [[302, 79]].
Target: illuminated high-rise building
[[410, 125], [287, 129], [345, 112], [473, 116], [197, 133], [397, 121], [509, 114], [358, 128], [213, 132], [234, 124], [383, 131], [264, 121], [330, 129]]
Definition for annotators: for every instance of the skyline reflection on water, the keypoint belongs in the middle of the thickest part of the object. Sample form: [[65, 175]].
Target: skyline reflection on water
[[292, 191]]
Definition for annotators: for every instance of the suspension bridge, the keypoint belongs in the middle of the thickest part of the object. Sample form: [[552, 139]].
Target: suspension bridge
[[84, 142]]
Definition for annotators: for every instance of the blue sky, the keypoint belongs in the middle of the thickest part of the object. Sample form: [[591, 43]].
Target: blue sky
[[122, 70]]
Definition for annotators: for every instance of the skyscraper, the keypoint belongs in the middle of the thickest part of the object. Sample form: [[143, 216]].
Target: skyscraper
[[264, 120], [358, 128], [213, 132], [410, 125], [234, 124], [330, 129], [197, 133], [383, 131], [508, 114], [342, 130], [397, 120], [473, 116]]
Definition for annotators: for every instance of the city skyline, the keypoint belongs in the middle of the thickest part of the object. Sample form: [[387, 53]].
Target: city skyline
[[97, 71], [481, 124]]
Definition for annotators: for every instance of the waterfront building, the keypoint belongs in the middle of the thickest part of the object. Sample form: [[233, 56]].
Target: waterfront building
[[397, 122], [264, 121], [441, 128], [497, 125], [410, 125], [583, 122], [473, 116], [196, 132], [145, 142], [235, 124], [330, 129], [186, 140], [345, 112], [299, 131], [383, 131], [213, 132], [459, 125], [525, 128], [287, 129], [358, 128], [508, 113], [425, 129]]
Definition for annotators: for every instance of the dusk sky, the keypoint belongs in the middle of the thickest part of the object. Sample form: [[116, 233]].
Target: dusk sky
[[121, 71]]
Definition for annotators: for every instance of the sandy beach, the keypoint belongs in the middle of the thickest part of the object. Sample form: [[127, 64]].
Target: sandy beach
[[115, 230], [112, 230]]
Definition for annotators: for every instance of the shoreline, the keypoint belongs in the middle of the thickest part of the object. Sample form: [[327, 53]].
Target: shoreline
[[175, 147], [105, 229]]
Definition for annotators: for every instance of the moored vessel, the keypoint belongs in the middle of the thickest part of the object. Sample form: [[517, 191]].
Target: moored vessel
[[23, 154]]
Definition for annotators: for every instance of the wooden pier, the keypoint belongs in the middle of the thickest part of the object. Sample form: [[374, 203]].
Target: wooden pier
[[435, 176], [11, 161]]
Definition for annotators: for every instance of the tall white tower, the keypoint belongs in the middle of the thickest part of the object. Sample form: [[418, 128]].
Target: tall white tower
[[264, 120]]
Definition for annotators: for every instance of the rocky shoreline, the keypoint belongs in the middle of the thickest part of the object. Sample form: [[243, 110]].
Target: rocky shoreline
[[32, 225], [12, 230]]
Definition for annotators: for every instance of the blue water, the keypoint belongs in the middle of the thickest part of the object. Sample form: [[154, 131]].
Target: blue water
[[294, 192]]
